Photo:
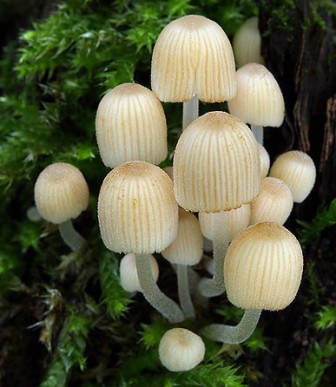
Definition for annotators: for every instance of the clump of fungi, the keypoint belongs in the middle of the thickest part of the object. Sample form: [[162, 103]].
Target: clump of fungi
[[218, 185]]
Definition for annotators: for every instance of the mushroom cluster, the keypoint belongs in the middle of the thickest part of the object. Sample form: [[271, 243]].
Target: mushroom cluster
[[220, 187]]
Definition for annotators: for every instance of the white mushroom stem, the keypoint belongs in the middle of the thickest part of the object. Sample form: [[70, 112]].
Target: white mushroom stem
[[190, 111], [215, 286], [159, 301], [70, 236], [184, 291], [233, 334], [258, 132]]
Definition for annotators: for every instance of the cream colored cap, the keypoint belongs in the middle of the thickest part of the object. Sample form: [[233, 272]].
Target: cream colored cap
[[236, 221], [193, 56], [131, 125], [137, 210], [247, 43], [187, 248], [264, 161], [274, 202], [61, 192], [216, 164], [263, 267], [259, 100], [129, 279], [298, 171], [181, 350]]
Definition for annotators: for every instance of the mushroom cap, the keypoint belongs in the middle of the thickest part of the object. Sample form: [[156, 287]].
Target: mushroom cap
[[264, 161], [137, 210], [298, 171], [181, 350], [61, 192], [216, 164], [129, 279], [247, 43], [263, 267], [236, 220], [274, 202], [259, 100], [187, 248], [131, 125], [193, 56]]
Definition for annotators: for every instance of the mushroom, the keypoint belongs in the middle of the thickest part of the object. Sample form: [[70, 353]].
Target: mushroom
[[262, 270], [138, 213], [259, 100], [216, 168], [193, 60], [264, 161], [61, 194], [181, 350], [297, 170]]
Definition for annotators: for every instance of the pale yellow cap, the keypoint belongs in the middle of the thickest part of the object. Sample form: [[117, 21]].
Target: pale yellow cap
[[298, 171], [129, 279], [259, 100], [247, 43], [263, 267], [187, 248], [61, 192], [216, 164], [131, 125], [181, 350], [193, 56], [264, 161], [236, 220], [137, 210], [274, 202]]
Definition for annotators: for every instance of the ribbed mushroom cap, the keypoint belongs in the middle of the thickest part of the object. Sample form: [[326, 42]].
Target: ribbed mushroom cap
[[236, 220], [298, 171], [274, 202], [129, 279], [131, 125], [263, 267], [193, 56], [61, 192], [259, 100], [187, 248], [216, 164], [181, 350], [264, 161], [247, 43], [137, 210]]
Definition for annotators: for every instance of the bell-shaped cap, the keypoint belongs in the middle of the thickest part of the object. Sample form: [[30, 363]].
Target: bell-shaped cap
[[274, 202], [216, 164], [264, 161], [298, 171], [61, 193], [236, 220], [193, 57], [263, 267], [181, 350], [137, 210], [247, 43], [259, 100], [131, 125], [187, 248]]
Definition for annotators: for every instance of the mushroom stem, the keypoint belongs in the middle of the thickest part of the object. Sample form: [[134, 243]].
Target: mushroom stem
[[215, 286], [190, 111], [258, 132], [184, 291], [159, 301], [233, 334], [70, 236]]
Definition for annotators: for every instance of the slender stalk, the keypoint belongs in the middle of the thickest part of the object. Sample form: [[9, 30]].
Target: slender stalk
[[184, 291], [215, 286], [258, 132], [190, 111], [159, 301], [233, 334], [70, 236]]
